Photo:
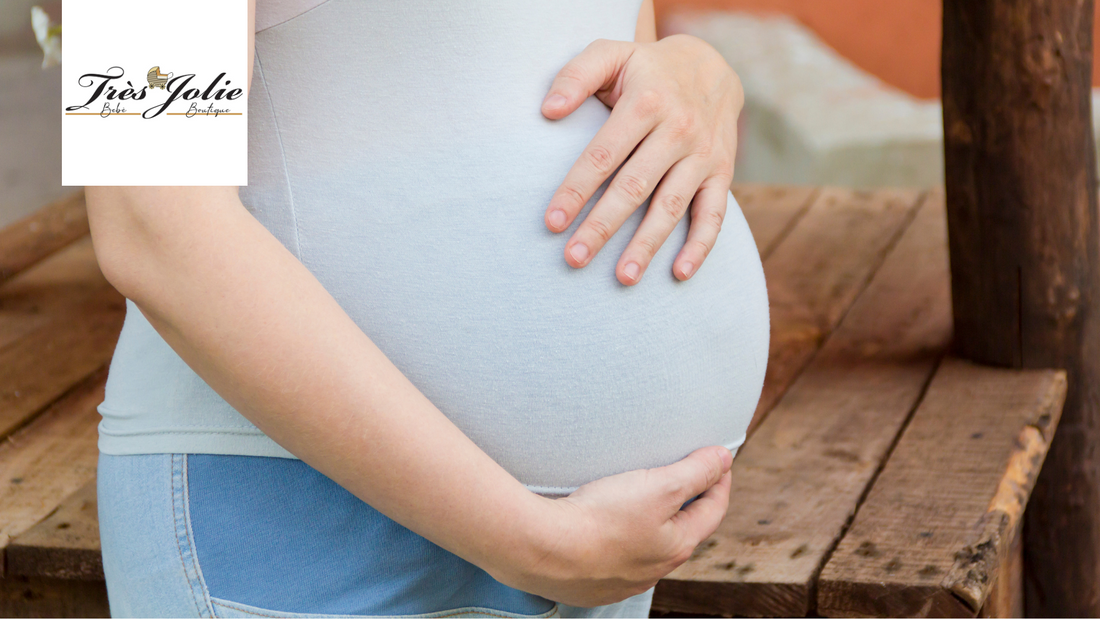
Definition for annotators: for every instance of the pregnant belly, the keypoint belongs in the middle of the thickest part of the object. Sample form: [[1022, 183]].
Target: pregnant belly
[[561, 375]]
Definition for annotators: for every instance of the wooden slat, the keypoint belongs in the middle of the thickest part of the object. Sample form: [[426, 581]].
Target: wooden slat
[[799, 478], [941, 518], [31, 298], [22, 596], [63, 320], [1007, 597], [49, 459], [64, 545], [41, 233], [772, 210], [1021, 177], [819, 269]]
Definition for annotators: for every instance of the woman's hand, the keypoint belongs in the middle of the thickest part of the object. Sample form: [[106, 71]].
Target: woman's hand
[[677, 101], [617, 536], [331, 397]]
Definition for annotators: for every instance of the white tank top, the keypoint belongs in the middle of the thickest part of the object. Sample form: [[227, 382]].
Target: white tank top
[[397, 148]]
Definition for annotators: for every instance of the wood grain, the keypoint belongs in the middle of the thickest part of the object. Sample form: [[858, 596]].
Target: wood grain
[[818, 270], [800, 477], [940, 519], [62, 320], [64, 545], [29, 299], [49, 459], [772, 211], [1007, 596], [1021, 178], [29, 240]]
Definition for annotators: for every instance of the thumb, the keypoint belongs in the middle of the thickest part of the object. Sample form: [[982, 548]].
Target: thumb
[[700, 519], [696, 473], [597, 68]]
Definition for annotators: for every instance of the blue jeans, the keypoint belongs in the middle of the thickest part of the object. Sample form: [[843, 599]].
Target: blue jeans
[[240, 536]]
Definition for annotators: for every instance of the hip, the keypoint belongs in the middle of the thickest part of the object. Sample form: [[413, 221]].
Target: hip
[[239, 536]]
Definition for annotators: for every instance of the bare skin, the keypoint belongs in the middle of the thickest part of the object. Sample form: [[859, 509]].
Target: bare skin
[[231, 300], [675, 104]]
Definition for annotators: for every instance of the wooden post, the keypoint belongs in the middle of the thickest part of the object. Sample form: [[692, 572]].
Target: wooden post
[[1022, 215]]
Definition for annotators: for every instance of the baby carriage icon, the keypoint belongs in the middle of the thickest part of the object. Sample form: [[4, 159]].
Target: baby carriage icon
[[157, 79]]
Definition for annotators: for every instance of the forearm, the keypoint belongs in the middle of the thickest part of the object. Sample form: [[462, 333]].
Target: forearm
[[256, 325]]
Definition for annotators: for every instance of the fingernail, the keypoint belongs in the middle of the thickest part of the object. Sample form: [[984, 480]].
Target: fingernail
[[631, 270], [687, 269], [727, 458], [579, 252], [557, 218], [555, 101]]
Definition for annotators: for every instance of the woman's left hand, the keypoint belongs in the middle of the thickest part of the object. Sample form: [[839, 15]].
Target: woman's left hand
[[676, 101]]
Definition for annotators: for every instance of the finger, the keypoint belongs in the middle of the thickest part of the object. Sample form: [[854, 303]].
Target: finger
[[707, 212], [669, 205], [632, 184], [700, 519], [693, 475], [596, 68], [612, 144]]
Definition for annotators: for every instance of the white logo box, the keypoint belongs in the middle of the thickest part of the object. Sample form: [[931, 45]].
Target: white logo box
[[200, 137]]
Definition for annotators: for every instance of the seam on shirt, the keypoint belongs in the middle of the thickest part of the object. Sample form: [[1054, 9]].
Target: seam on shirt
[[101, 409], [293, 17], [282, 152], [194, 430]]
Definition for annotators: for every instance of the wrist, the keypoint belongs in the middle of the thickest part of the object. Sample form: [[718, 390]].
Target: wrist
[[541, 552]]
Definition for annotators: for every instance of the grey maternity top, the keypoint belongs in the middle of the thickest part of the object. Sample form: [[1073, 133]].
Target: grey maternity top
[[397, 148]]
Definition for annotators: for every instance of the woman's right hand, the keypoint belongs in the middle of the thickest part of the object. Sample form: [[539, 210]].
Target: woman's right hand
[[617, 536]]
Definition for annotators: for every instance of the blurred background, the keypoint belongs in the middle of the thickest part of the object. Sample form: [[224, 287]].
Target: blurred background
[[30, 122], [838, 92]]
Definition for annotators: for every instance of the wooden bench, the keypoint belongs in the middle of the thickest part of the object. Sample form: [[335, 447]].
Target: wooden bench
[[882, 477]]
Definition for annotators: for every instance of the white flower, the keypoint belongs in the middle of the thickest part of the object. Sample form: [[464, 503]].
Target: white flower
[[49, 36]]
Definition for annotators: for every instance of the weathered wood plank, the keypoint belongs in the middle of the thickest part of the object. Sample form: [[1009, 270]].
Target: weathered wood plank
[[819, 269], [63, 328], [772, 211], [41, 233], [22, 596], [29, 299], [64, 545], [941, 517], [799, 478], [1021, 180], [49, 459], [1007, 597]]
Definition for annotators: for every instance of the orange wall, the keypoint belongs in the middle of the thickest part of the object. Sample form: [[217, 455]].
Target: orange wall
[[897, 40]]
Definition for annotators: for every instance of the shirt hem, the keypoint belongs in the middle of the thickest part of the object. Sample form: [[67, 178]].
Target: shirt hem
[[247, 442], [222, 442], [562, 491]]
